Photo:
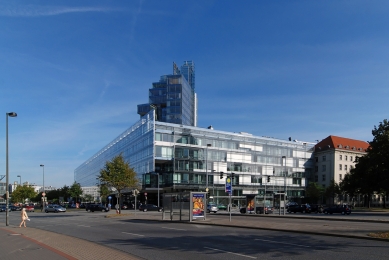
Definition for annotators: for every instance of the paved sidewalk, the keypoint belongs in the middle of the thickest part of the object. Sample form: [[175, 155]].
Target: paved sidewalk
[[31, 243]]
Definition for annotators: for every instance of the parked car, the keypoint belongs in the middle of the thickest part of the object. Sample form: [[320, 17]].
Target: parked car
[[303, 208], [342, 209], [150, 207], [96, 207], [291, 203], [15, 208], [222, 207], [54, 208], [211, 207], [30, 208], [3, 208], [316, 208], [268, 209]]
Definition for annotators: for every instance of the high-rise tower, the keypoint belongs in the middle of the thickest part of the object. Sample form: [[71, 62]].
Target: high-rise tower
[[173, 97]]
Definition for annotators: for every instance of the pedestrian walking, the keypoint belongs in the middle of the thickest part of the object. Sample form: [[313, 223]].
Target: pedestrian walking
[[24, 217], [117, 208]]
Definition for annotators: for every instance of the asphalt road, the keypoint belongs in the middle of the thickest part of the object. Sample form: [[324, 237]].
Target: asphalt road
[[170, 240]]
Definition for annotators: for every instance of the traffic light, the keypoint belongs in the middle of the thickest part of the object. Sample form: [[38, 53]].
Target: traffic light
[[232, 175], [268, 178], [221, 175]]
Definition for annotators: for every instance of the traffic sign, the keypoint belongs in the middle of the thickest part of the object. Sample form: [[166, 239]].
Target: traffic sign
[[228, 185]]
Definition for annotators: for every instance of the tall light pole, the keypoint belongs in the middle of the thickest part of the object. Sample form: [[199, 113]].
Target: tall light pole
[[285, 192], [20, 178], [43, 193], [206, 168], [10, 114]]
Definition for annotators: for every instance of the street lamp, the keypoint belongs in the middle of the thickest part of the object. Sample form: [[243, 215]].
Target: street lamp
[[10, 114], [206, 168], [43, 193], [20, 177], [285, 191]]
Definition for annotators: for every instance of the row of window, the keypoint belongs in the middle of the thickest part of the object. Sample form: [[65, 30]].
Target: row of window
[[345, 167], [324, 158]]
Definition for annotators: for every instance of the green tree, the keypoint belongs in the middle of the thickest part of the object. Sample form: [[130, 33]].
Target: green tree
[[88, 198], [21, 193], [118, 174], [104, 192], [75, 190], [314, 192], [332, 190]]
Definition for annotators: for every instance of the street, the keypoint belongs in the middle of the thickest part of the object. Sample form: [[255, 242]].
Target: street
[[171, 240]]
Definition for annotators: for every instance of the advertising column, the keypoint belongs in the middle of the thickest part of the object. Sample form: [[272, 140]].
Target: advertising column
[[197, 205]]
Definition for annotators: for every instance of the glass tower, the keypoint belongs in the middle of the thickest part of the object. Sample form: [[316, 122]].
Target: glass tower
[[173, 97]]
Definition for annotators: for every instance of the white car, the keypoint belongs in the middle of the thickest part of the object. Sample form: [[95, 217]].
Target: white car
[[55, 208], [212, 208]]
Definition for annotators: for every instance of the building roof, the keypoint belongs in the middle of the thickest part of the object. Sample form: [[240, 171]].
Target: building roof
[[341, 143]]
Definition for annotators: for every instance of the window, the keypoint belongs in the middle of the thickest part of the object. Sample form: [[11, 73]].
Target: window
[[345, 167], [316, 178], [340, 157], [351, 158], [340, 177], [316, 168], [345, 157], [316, 159], [323, 177], [340, 167], [324, 158], [323, 168]]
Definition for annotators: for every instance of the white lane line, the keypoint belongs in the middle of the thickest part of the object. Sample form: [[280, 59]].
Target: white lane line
[[232, 253], [133, 234], [277, 242], [174, 228]]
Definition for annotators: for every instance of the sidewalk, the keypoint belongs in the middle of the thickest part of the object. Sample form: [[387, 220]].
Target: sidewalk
[[33, 243]]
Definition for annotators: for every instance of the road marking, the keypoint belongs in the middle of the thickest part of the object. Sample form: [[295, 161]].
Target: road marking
[[174, 228], [232, 253], [133, 234], [272, 241]]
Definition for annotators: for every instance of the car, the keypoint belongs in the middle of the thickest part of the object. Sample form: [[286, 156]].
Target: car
[[211, 207], [303, 208], [268, 209], [291, 203], [96, 207], [150, 207], [3, 208], [316, 208], [54, 208], [30, 208], [342, 209], [222, 207], [15, 208]]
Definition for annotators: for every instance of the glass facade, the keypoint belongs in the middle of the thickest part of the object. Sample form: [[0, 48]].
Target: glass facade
[[183, 157], [136, 144], [173, 97]]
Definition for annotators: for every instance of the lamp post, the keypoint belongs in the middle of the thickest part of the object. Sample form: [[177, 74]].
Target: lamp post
[[285, 191], [157, 186], [20, 178], [10, 114], [206, 168], [43, 193]]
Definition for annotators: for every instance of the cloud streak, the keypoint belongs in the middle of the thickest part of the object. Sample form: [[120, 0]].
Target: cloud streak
[[38, 11]]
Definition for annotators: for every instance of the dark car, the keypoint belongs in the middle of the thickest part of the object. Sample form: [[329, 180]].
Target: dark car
[[303, 208], [316, 208], [3, 208], [268, 209], [342, 209], [96, 207], [150, 207], [15, 208]]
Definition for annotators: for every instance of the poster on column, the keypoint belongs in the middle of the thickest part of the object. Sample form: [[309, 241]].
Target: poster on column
[[198, 205]]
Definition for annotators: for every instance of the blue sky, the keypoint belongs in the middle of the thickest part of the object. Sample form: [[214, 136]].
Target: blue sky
[[74, 71]]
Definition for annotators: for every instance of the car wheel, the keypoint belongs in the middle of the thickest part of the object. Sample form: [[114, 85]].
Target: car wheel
[[343, 212], [102, 210], [56, 211], [159, 210], [144, 210], [88, 210], [325, 212], [348, 213], [46, 211]]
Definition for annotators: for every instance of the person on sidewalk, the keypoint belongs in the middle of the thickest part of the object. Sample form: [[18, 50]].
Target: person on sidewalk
[[24, 217], [117, 208]]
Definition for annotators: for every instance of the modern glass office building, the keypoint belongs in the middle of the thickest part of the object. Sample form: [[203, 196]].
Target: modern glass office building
[[173, 97], [189, 158]]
